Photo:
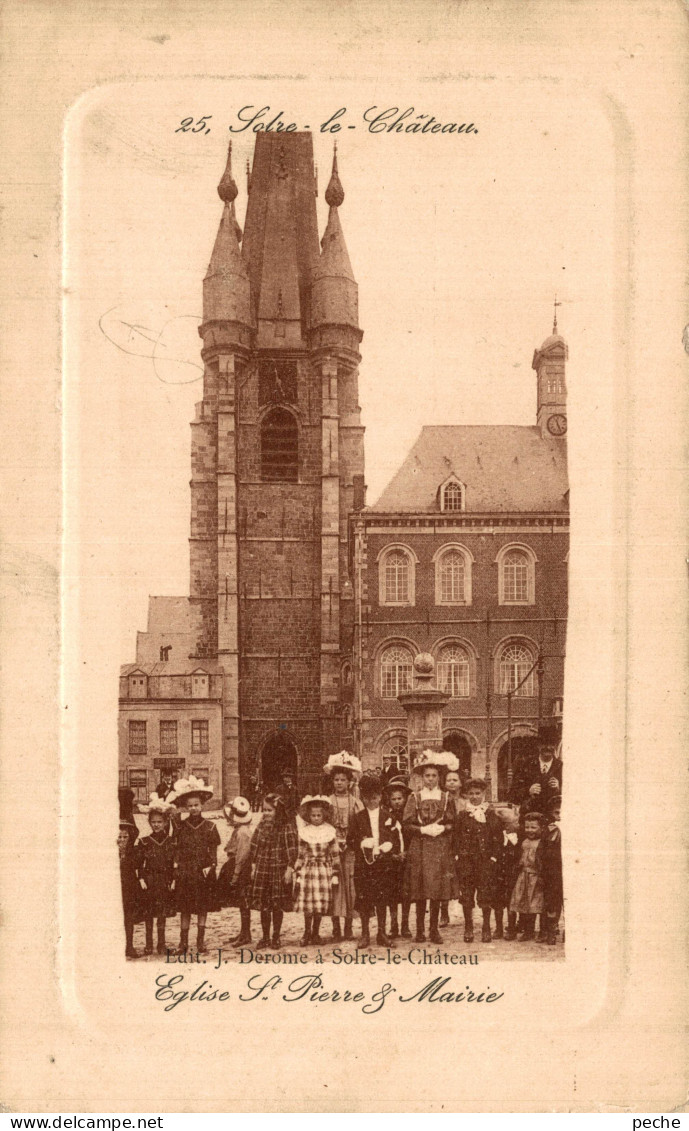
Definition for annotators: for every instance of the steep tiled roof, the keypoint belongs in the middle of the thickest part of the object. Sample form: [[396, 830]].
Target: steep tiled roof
[[503, 467]]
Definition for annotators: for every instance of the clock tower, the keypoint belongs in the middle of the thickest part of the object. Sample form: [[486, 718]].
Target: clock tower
[[549, 363]]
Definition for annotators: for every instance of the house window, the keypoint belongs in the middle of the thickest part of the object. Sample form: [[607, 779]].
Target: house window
[[516, 662], [199, 736], [279, 447], [168, 737], [396, 577], [137, 737], [199, 685], [138, 688], [395, 672], [138, 781], [123, 779], [453, 671], [395, 754], [452, 498], [516, 575], [453, 576]]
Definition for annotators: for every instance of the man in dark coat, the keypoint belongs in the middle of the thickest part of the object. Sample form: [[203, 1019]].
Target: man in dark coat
[[537, 777]]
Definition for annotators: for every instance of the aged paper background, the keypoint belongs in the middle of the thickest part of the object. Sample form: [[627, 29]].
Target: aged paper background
[[602, 1031]]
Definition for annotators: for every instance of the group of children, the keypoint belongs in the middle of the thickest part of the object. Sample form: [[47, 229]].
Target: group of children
[[366, 848]]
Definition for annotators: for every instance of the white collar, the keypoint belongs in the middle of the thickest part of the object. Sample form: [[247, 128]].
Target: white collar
[[430, 794], [316, 834]]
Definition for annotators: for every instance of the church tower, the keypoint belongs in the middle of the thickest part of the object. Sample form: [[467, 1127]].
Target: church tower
[[277, 467], [549, 363]]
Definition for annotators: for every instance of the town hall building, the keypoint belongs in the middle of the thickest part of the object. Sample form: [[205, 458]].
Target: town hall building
[[306, 608]]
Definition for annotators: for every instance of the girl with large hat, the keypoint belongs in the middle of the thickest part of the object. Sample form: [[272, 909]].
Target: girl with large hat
[[235, 874], [343, 771], [427, 826], [156, 871], [196, 857], [317, 867]]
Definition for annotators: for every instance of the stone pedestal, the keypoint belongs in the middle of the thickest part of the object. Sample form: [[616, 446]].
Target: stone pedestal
[[424, 707]]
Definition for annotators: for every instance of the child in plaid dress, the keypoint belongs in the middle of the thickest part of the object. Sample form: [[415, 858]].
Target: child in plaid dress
[[317, 867], [273, 854], [527, 895]]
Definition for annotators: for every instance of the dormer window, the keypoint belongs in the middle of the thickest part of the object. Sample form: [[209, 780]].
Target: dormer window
[[452, 495], [138, 685], [199, 685]]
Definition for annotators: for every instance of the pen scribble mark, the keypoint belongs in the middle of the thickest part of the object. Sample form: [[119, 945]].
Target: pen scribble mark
[[133, 337]]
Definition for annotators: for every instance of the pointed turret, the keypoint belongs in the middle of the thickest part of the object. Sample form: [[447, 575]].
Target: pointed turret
[[226, 292], [334, 299]]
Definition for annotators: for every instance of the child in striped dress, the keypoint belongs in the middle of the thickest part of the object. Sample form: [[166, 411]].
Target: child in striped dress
[[317, 867]]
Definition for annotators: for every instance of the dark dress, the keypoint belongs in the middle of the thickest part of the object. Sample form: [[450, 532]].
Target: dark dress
[[551, 870], [196, 849], [506, 869], [156, 867], [274, 848], [429, 871], [476, 847], [374, 878], [132, 903], [235, 874]]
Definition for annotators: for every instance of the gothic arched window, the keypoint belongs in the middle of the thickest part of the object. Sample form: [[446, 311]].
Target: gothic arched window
[[279, 447], [395, 671], [516, 660], [453, 671]]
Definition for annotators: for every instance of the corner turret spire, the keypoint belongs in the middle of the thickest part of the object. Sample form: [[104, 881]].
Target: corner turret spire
[[226, 285], [334, 295], [334, 194]]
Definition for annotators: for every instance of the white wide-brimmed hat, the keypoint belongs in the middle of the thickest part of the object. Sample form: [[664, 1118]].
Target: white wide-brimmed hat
[[187, 787], [239, 812], [158, 804], [343, 761], [442, 759], [316, 799]]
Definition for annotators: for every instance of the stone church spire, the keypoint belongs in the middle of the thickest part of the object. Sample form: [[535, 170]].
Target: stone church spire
[[226, 290], [335, 297]]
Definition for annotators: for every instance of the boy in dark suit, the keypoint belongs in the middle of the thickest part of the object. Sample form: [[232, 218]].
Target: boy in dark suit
[[478, 838]]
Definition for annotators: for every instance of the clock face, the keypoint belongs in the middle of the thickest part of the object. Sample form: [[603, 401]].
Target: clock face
[[557, 424]]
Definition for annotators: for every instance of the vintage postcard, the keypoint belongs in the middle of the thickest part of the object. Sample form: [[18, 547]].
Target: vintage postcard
[[360, 565]]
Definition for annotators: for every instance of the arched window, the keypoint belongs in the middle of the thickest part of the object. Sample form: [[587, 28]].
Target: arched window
[[395, 754], [516, 575], [453, 671], [516, 659], [453, 497], [396, 577], [395, 671], [279, 447], [453, 576]]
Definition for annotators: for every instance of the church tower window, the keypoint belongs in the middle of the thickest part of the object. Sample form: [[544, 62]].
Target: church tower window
[[279, 447]]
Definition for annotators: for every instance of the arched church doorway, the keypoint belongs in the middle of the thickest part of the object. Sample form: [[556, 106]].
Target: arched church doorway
[[279, 754], [523, 745], [460, 746]]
